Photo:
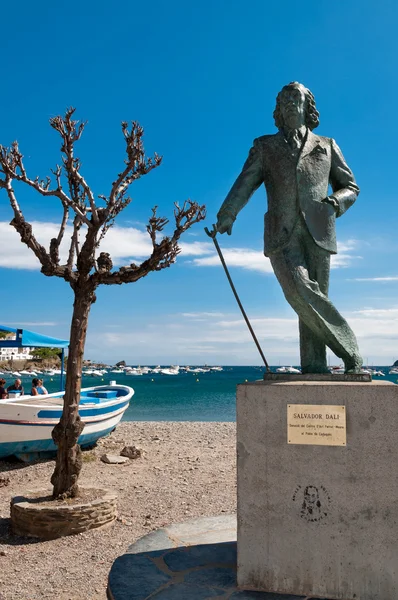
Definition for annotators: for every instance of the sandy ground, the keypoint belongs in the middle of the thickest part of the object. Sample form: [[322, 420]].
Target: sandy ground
[[188, 470]]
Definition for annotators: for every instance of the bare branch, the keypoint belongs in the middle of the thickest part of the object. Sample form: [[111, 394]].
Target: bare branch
[[63, 224], [56, 242], [27, 237], [155, 225], [164, 253], [85, 259], [100, 219], [13, 167], [136, 163], [74, 245], [104, 263], [70, 132], [186, 216]]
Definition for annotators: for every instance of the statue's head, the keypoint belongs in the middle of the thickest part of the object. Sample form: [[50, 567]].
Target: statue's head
[[295, 106]]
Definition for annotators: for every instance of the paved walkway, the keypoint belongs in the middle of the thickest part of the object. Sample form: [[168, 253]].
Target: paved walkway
[[195, 560]]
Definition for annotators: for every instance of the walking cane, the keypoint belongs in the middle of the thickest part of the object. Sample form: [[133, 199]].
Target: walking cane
[[213, 234]]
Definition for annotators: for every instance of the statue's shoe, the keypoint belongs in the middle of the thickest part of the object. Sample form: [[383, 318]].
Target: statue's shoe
[[354, 365]]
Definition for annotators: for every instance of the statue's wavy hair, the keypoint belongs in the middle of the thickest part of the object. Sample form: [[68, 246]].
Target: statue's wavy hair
[[311, 113]]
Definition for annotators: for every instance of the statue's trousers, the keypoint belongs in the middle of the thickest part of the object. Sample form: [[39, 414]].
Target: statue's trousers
[[302, 269]]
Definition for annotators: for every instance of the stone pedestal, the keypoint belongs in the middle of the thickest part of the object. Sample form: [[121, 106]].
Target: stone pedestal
[[318, 520]]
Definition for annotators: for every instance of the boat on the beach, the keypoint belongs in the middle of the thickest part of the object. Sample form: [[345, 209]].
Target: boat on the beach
[[26, 422]]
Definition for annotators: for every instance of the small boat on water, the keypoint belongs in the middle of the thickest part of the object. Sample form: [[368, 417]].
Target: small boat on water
[[134, 372], [26, 422], [291, 370], [377, 373], [170, 371], [340, 370]]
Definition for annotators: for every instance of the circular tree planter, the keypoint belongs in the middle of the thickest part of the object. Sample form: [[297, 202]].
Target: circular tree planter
[[37, 515]]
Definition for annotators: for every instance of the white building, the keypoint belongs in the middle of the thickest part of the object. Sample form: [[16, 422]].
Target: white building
[[15, 354]]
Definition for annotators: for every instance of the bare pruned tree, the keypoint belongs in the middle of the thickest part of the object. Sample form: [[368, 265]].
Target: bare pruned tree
[[83, 270]]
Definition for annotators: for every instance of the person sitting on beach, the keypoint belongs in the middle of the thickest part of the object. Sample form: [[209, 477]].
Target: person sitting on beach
[[16, 387], [37, 389], [42, 386], [3, 391]]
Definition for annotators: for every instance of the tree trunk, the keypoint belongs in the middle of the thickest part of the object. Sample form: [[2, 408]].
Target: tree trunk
[[66, 433]]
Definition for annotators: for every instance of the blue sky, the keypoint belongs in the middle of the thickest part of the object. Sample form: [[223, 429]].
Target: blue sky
[[202, 79]]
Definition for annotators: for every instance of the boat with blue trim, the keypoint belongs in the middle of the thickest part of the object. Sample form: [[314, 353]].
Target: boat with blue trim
[[26, 422]]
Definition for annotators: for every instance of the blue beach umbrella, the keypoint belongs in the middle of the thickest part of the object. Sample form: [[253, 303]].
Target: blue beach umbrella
[[25, 338]]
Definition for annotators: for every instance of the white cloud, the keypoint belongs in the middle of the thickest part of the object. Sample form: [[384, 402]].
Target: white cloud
[[197, 341], [211, 337], [13, 253], [122, 243], [345, 257], [34, 324], [126, 244], [377, 313], [200, 315], [253, 260], [196, 248], [383, 279]]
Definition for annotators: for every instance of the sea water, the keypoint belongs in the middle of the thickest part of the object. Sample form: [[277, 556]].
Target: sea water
[[184, 397]]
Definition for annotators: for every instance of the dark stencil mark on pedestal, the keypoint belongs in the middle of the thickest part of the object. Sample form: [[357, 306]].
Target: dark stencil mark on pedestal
[[314, 502]]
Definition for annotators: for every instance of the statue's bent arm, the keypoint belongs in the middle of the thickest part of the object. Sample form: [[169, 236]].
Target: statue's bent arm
[[342, 180], [246, 184]]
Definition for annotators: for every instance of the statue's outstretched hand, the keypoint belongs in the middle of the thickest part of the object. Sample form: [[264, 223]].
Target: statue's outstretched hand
[[225, 223]]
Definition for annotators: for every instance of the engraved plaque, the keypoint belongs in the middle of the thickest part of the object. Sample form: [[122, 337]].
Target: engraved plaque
[[316, 424]]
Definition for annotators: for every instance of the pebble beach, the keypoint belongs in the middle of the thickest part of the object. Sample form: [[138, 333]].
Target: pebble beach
[[187, 469]]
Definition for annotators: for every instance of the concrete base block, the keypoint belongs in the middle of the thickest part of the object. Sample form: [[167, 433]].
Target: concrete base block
[[318, 520]]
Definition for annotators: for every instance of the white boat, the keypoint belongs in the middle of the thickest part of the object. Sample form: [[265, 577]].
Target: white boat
[[170, 371], [16, 374], [26, 422], [117, 371], [134, 372], [393, 371], [288, 370]]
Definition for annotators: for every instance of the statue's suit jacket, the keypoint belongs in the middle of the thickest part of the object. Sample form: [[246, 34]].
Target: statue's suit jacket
[[295, 184]]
